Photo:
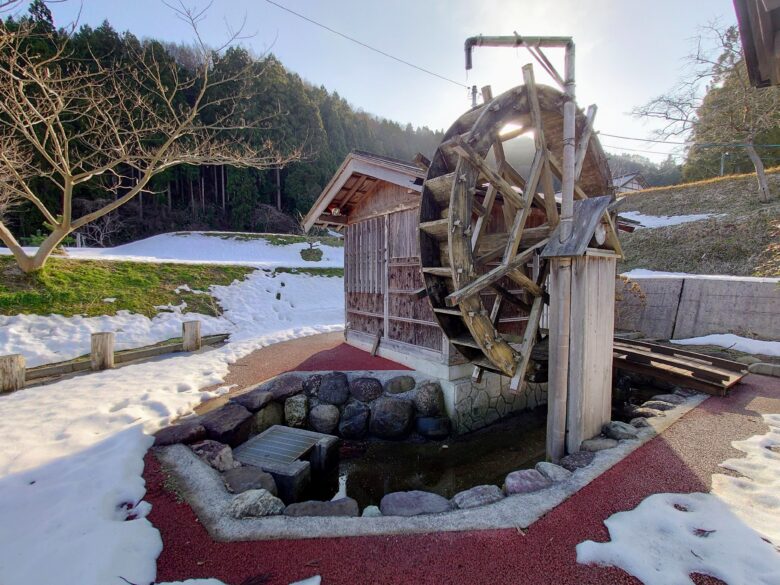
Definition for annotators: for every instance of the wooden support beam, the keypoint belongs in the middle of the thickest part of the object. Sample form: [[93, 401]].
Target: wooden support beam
[[12, 372], [422, 161], [333, 219], [495, 275], [102, 351], [355, 188], [468, 153], [190, 333], [529, 338], [582, 144]]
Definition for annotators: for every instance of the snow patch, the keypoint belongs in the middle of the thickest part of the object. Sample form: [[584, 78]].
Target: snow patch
[[656, 221], [199, 248], [644, 273], [729, 340], [730, 534]]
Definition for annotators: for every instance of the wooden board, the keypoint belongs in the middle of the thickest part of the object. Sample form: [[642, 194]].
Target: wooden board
[[587, 215]]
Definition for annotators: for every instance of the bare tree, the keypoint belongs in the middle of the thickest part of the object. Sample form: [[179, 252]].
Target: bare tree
[[716, 103], [82, 120]]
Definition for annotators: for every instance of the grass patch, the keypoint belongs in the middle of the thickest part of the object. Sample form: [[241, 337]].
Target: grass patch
[[78, 287], [326, 272]]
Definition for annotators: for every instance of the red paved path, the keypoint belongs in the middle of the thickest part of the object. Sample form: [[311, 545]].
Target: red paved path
[[682, 459]]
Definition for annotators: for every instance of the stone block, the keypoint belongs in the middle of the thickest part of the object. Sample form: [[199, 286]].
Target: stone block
[[354, 420], [428, 399], [481, 495], [413, 503], [255, 399], [552, 471], [254, 504], [365, 389], [334, 388], [340, 507], [292, 479], [619, 430], [763, 369], [296, 410], [230, 424], [184, 432], [525, 481], [399, 384], [216, 454], [598, 444], [325, 454], [324, 418], [577, 460], [390, 418], [267, 417], [285, 386], [248, 477]]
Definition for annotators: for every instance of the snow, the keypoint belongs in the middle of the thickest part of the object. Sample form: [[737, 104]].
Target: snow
[[656, 221], [730, 534], [250, 308], [644, 273], [729, 340], [216, 248], [71, 464]]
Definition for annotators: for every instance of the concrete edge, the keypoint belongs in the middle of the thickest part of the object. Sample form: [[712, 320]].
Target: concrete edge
[[204, 491]]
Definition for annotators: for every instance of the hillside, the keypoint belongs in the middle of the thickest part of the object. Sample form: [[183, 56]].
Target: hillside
[[741, 237]]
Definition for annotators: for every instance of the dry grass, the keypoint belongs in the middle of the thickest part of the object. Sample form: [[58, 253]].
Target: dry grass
[[743, 241]]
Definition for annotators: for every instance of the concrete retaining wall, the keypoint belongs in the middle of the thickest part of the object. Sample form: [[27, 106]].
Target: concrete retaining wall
[[680, 307]]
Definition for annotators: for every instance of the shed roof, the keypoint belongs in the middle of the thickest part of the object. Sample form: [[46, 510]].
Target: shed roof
[[355, 180]]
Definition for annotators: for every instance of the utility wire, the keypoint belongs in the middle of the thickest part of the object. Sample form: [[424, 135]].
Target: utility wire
[[364, 45], [640, 150], [691, 144]]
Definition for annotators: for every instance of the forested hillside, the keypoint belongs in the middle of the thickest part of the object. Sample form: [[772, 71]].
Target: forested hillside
[[292, 113]]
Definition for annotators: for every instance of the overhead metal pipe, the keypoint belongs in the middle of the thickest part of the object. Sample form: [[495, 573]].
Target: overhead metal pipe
[[513, 41]]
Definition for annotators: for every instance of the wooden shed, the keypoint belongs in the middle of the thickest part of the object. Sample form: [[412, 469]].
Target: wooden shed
[[375, 201]]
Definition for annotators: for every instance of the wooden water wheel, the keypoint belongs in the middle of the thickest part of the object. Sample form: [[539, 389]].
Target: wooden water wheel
[[483, 223]]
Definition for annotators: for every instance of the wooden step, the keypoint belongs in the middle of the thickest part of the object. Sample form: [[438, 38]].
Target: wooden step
[[441, 188], [442, 271], [447, 311], [437, 228]]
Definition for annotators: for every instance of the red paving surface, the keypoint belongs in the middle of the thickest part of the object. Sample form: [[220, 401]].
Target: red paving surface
[[682, 459], [346, 357]]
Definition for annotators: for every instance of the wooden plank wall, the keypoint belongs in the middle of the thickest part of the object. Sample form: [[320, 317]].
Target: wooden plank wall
[[590, 348]]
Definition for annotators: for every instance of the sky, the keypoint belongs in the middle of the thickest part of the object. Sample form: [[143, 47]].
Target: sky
[[627, 51]]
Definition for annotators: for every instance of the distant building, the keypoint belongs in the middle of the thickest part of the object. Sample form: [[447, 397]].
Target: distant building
[[628, 183]]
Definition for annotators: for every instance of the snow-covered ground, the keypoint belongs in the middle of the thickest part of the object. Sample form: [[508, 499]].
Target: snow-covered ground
[[637, 273], [214, 248], [70, 468], [656, 221], [731, 533], [729, 340], [251, 309]]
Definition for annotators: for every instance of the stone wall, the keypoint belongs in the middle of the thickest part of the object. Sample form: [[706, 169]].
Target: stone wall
[[680, 308]]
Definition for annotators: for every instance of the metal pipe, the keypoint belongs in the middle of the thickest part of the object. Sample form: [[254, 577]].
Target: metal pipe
[[513, 41]]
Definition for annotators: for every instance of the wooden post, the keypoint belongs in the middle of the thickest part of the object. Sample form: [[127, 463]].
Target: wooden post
[[190, 332], [102, 354], [558, 388], [11, 372]]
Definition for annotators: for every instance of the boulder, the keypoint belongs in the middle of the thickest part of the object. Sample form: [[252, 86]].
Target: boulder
[[255, 503], [267, 417], [354, 420], [639, 422], [371, 512], [399, 384], [658, 405], [645, 412], [311, 385], [598, 444], [765, 369], [285, 386], [525, 481], [481, 495], [231, 424], [433, 427], [619, 430], [413, 503], [340, 507], [247, 477], [365, 389], [184, 432], [552, 471], [218, 455], [686, 392], [670, 398], [334, 388], [429, 400], [324, 418], [255, 399], [577, 460], [296, 409], [747, 359], [390, 418]]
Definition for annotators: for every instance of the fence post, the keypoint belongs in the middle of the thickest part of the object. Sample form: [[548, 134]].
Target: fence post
[[12, 372], [190, 332], [102, 354]]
